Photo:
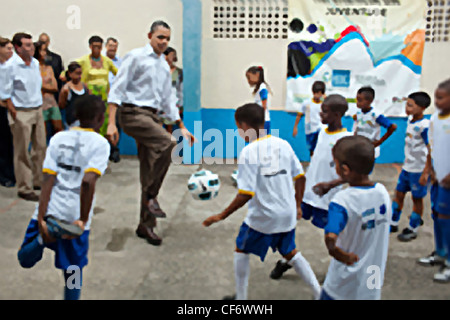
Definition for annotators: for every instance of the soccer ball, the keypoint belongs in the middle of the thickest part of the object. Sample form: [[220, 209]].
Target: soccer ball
[[204, 185]]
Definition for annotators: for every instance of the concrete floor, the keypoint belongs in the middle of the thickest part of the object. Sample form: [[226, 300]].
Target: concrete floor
[[194, 262]]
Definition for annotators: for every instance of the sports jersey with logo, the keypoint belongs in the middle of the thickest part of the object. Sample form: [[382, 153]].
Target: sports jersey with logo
[[322, 168], [260, 96], [266, 171], [70, 155], [416, 142], [360, 216], [368, 124]]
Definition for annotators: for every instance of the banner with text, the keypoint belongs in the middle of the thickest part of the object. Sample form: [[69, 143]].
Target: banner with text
[[349, 44]]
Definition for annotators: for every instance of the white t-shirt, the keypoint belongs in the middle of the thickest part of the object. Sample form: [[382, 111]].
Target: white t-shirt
[[266, 171], [311, 111], [69, 155], [360, 216], [369, 125], [263, 91], [416, 142], [322, 168], [440, 145]]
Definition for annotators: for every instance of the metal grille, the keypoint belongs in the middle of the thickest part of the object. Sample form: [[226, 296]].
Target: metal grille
[[438, 21], [250, 19]]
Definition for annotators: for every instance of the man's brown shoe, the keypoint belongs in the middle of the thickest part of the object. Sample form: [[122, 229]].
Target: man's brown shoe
[[29, 196], [155, 209], [147, 233]]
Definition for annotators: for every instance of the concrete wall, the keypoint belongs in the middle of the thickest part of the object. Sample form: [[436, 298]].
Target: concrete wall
[[127, 21]]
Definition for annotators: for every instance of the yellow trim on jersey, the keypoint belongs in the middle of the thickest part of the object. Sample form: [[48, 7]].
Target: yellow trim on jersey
[[48, 171], [336, 132], [263, 138], [443, 117], [93, 170], [82, 129], [299, 176], [247, 193]]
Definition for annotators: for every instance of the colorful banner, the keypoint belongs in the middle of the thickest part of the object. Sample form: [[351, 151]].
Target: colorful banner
[[349, 44]]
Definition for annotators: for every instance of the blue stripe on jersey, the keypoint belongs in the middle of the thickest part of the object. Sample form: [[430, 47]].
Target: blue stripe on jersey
[[384, 122], [424, 135], [264, 94], [337, 219]]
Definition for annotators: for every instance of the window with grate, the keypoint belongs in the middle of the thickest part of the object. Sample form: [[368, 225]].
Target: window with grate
[[250, 19], [438, 21]]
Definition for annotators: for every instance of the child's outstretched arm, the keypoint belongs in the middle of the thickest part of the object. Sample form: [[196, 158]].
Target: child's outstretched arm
[[46, 191], [323, 188], [239, 201], [297, 121]]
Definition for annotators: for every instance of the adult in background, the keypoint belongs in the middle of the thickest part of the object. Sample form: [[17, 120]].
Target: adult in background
[[111, 47], [143, 88], [28, 125], [50, 107], [7, 178], [54, 60], [177, 85]]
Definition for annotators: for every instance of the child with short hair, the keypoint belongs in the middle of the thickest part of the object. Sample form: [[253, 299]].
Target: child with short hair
[[75, 160], [267, 168], [255, 78], [368, 121], [71, 92], [357, 232], [412, 178], [439, 168], [321, 168], [311, 110]]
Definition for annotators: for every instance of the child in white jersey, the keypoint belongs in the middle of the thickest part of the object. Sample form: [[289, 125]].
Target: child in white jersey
[[368, 121], [75, 160], [311, 110], [321, 168], [412, 178], [255, 77], [357, 232], [439, 167], [268, 170]]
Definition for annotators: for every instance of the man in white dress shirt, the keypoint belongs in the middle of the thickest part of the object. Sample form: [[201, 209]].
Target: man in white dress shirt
[[28, 125], [142, 88]]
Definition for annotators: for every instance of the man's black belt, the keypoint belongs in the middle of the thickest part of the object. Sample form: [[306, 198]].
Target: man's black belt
[[129, 105]]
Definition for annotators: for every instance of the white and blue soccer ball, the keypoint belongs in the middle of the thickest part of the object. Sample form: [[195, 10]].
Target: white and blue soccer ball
[[204, 185]]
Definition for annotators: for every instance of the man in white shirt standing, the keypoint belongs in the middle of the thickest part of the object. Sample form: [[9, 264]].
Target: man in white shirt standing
[[142, 88], [28, 124]]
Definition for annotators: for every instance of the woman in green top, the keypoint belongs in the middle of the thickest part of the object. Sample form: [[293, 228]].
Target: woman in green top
[[96, 68]]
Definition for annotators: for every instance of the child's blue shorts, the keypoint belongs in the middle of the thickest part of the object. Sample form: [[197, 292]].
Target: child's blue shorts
[[319, 216], [252, 241], [67, 252], [409, 181], [440, 199], [311, 140]]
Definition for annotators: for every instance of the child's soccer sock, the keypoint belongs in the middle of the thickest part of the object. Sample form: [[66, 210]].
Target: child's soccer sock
[[72, 286], [303, 269], [439, 237], [445, 228], [396, 213], [415, 221], [30, 253], [241, 274]]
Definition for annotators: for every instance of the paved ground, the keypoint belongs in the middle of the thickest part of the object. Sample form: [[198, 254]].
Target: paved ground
[[193, 262]]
